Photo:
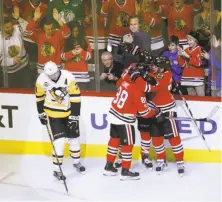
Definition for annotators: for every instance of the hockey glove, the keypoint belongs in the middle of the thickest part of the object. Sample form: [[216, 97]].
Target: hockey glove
[[160, 117], [43, 118], [73, 122]]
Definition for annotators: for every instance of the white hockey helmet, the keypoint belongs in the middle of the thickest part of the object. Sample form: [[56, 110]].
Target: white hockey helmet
[[51, 70]]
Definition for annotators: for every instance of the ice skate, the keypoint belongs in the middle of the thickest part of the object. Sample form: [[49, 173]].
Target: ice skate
[[109, 170], [180, 168], [80, 168], [126, 174], [160, 166], [148, 163], [59, 175]]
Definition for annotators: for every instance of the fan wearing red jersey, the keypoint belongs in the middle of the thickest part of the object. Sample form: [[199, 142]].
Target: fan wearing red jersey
[[127, 104]]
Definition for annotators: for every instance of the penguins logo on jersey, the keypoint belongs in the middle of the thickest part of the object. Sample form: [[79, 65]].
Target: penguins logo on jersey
[[58, 93]]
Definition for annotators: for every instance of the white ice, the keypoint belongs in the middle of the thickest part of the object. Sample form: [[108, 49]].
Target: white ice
[[29, 177]]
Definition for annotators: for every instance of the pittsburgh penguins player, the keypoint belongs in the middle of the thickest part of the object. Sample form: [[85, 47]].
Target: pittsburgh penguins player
[[58, 104]]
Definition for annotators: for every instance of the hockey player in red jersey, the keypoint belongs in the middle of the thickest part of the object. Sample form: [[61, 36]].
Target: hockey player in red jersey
[[163, 100], [167, 129], [127, 104]]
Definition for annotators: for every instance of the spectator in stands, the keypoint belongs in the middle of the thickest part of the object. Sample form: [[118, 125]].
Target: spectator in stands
[[152, 22], [13, 55], [203, 21], [112, 69], [137, 38], [101, 25], [77, 52], [214, 58], [180, 18], [177, 62], [68, 10], [27, 10], [118, 13], [193, 75], [50, 42]]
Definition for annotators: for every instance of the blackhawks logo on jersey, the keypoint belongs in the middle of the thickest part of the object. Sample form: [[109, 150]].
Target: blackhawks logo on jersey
[[67, 16], [77, 58], [179, 24], [58, 93], [47, 49], [159, 76], [13, 50], [122, 19]]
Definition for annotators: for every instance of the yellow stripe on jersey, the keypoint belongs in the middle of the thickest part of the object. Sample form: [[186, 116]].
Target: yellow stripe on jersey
[[58, 106], [39, 93], [56, 114], [74, 92]]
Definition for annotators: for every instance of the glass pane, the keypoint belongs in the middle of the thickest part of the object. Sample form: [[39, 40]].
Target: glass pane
[[3, 73], [214, 77]]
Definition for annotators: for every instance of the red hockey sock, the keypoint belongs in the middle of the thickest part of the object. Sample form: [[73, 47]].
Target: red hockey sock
[[126, 152], [158, 144], [177, 148], [145, 142], [112, 151]]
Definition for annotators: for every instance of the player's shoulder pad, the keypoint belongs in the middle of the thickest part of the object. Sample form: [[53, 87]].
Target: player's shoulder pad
[[42, 78], [70, 77]]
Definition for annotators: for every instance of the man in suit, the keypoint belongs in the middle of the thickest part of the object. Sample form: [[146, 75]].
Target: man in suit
[[137, 38], [112, 69]]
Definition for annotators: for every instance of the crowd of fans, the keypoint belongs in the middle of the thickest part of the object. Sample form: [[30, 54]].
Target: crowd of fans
[[38, 31]]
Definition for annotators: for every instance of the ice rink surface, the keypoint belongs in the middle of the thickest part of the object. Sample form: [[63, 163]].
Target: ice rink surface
[[29, 177]]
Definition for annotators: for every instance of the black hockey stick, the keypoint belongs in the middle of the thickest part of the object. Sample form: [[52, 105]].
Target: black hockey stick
[[212, 113], [50, 136], [194, 121]]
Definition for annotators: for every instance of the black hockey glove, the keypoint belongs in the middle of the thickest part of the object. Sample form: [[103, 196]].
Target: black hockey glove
[[73, 122], [160, 117], [43, 118]]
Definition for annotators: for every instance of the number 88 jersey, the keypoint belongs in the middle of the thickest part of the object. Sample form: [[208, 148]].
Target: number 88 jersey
[[129, 103]]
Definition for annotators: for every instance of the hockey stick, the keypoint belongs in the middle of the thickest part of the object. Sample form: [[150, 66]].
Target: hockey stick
[[212, 113], [50, 136], [194, 121]]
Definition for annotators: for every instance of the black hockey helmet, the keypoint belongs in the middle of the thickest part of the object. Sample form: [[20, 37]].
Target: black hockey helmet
[[162, 62]]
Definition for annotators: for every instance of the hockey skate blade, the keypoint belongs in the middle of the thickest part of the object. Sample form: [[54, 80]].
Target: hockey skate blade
[[150, 169], [82, 173], [124, 178], [109, 173]]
